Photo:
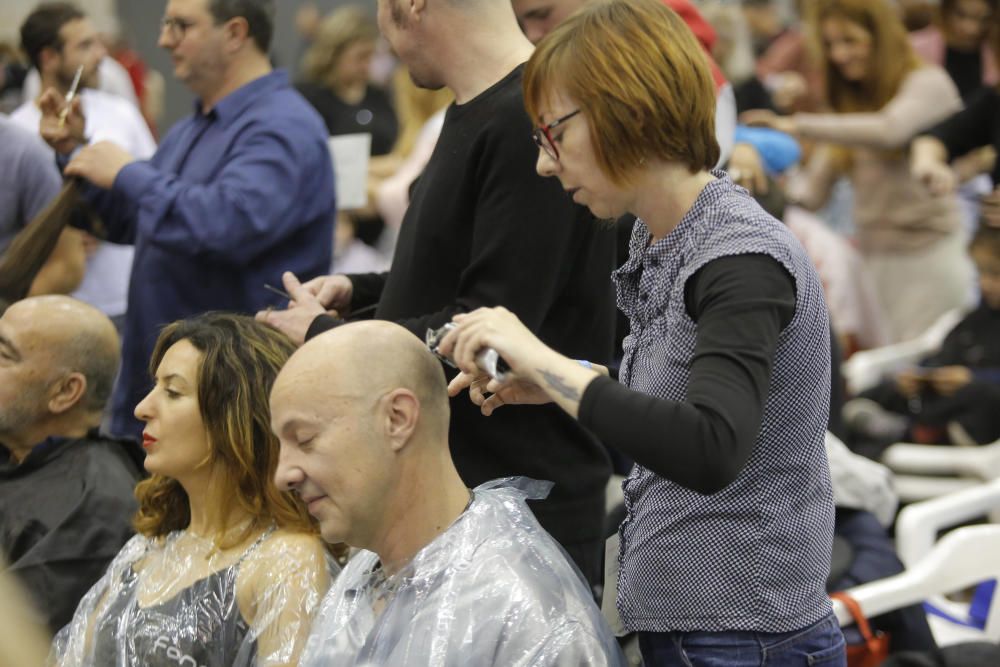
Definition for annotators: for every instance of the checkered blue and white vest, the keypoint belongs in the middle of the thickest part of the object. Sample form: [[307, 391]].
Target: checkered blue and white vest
[[755, 555]]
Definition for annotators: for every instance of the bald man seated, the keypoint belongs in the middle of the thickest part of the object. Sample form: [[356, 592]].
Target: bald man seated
[[66, 498], [446, 575]]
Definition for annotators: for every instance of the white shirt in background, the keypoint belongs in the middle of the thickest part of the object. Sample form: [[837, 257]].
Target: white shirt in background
[[110, 118]]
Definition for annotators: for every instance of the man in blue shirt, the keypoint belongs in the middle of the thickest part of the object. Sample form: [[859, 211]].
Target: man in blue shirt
[[237, 193]]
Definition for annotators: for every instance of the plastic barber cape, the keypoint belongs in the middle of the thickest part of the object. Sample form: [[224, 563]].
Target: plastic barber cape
[[180, 601], [493, 589]]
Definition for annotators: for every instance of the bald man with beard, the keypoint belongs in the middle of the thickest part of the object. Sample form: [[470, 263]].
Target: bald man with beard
[[65, 491], [446, 575]]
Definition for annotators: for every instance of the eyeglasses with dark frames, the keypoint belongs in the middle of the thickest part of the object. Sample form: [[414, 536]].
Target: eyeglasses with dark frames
[[177, 27], [543, 135]]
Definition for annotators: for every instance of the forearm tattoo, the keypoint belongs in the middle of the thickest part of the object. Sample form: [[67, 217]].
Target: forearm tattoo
[[558, 385]]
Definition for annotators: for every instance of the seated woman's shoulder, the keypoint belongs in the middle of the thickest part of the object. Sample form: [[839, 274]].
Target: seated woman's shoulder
[[284, 561], [298, 545]]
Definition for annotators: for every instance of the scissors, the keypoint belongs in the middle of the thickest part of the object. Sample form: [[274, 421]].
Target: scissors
[[71, 95], [355, 313]]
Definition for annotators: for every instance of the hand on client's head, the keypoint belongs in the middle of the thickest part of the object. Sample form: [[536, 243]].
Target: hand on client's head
[[303, 308]]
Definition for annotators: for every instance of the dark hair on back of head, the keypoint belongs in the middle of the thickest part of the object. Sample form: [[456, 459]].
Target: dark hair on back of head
[[41, 29], [259, 15]]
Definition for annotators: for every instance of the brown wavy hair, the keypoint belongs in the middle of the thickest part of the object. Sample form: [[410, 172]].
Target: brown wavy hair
[[639, 77], [240, 360], [892, 56]]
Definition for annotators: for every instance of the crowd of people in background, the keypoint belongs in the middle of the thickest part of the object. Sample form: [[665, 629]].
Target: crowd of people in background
[[242, 423]]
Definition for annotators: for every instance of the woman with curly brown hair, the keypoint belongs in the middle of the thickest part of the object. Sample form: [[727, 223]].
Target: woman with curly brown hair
[[226, 569]]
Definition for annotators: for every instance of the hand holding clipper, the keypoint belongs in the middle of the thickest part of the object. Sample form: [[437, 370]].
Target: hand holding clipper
[[487, 359]]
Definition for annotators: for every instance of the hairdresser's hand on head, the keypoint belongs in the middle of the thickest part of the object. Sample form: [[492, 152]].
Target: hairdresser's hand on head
[[63, 135], [99, 163], [538, 374], [302, 310], [490, 394], [331, 291], [500, 329], [495, 328]]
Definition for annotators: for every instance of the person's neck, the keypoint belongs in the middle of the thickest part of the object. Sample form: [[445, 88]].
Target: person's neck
[[427, 504], [664, 194], [241, 72], [482, 58], [213, 512], [21, 444]]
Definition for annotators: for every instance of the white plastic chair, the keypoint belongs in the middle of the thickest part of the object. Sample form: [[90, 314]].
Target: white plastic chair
[[918, 525], [928, 471], [866, 368], [962, 558]]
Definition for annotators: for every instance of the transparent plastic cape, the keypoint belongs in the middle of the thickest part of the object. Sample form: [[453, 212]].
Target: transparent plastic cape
[[494, 589], [180, 601]]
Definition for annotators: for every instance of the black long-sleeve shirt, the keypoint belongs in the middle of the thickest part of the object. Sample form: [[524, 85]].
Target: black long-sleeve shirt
[[741, 304], [975, 126], [483, 229]]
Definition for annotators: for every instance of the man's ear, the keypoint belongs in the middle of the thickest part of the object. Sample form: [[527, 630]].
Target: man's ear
[[67, 392], [237, 33], [416, 8], [402, 414]]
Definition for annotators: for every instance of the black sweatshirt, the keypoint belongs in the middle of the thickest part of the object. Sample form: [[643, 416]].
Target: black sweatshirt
[[975, 126], [483, 229]]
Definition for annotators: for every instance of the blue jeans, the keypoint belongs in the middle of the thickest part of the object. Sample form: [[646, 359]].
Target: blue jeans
[[821, 644]]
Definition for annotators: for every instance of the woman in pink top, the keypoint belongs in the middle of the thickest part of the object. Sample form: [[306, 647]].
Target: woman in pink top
[[882, 95]]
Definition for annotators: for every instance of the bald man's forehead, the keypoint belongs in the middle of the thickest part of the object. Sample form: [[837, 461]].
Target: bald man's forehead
[[27, 327]]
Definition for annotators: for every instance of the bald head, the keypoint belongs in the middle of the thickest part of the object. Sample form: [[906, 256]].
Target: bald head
[[61, 356], [75, 336], [367, 359]]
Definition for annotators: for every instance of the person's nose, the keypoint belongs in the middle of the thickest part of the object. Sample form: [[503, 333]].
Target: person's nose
[[546, 165], [166, 40], [287, 475], [144, 410], [839, 54]]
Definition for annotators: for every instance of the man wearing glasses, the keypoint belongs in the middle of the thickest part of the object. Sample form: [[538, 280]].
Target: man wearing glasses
[[236, 192], [483, 229]]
